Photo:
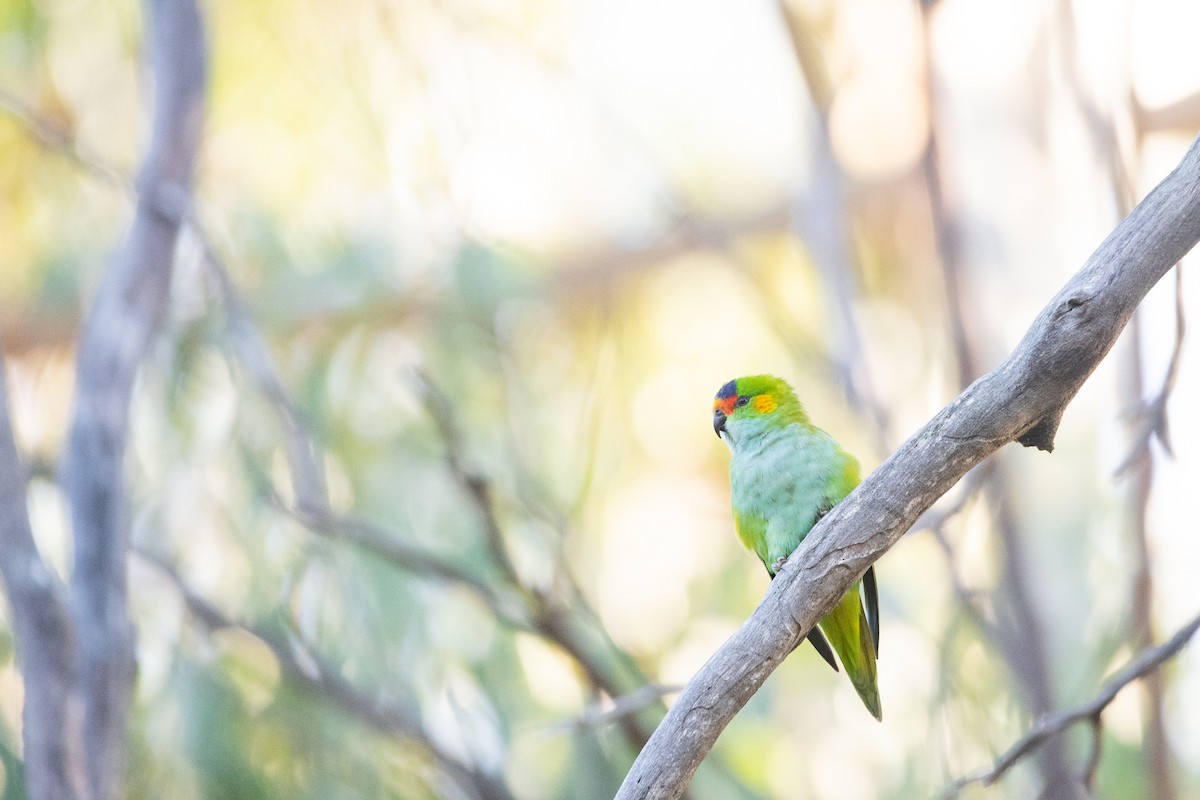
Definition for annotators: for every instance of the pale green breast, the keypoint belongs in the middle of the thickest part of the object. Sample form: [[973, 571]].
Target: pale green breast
[[781, 482]]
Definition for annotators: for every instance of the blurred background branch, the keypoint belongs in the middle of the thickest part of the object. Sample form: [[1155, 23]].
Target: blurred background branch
[[308, 669], [1146, 663], [54, 746]]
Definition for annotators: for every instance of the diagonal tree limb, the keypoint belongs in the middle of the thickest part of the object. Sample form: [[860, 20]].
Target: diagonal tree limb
[[1021, 400], [45, 642], [123, 320], [1145, 663]]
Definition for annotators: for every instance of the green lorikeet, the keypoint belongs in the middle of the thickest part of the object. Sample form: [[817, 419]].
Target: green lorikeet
[[786, 473]]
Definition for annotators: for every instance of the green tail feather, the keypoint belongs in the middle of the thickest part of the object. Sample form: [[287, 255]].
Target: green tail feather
[[847, 630]]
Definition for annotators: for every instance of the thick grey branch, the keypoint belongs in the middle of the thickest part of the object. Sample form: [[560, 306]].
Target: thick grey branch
[[1021, 400], [127, 312]]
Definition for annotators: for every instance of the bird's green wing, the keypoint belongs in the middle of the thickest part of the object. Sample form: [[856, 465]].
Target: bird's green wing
[[848, 632], [752, 530], [842, 484]]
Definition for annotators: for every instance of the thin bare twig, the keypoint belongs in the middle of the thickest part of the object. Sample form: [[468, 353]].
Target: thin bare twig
[[303, 454], [391, 548], [1144, 663], [599, 715], [514, 605], [55, 139], [306, 667], [1151, 415], [590, 648], [1138, 471], [441, 411], [935, 521], [968, 599]]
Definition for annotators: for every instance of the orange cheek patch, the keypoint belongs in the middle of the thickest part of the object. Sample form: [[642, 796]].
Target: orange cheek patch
[[764, 404]]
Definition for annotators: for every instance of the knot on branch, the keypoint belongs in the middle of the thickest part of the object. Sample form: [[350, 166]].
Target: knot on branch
[[1075, 310], [1041, 435], [1073, 302]]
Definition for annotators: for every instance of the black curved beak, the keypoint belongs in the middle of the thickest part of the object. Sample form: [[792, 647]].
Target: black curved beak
[[718, 421]]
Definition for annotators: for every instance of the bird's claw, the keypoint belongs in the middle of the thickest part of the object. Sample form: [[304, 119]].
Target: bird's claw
[[778, 565]]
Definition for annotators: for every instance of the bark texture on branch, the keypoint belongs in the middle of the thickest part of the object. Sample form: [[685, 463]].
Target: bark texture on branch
[[126, 314], [1021, 400]]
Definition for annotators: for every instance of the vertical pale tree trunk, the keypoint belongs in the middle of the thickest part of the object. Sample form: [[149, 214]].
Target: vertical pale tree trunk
[[45, 642], [117, 332]]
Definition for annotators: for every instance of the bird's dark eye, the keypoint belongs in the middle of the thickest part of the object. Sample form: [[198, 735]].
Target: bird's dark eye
[[741, 401]]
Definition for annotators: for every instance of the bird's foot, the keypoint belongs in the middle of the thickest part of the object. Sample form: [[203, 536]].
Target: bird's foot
[[778, 565]]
